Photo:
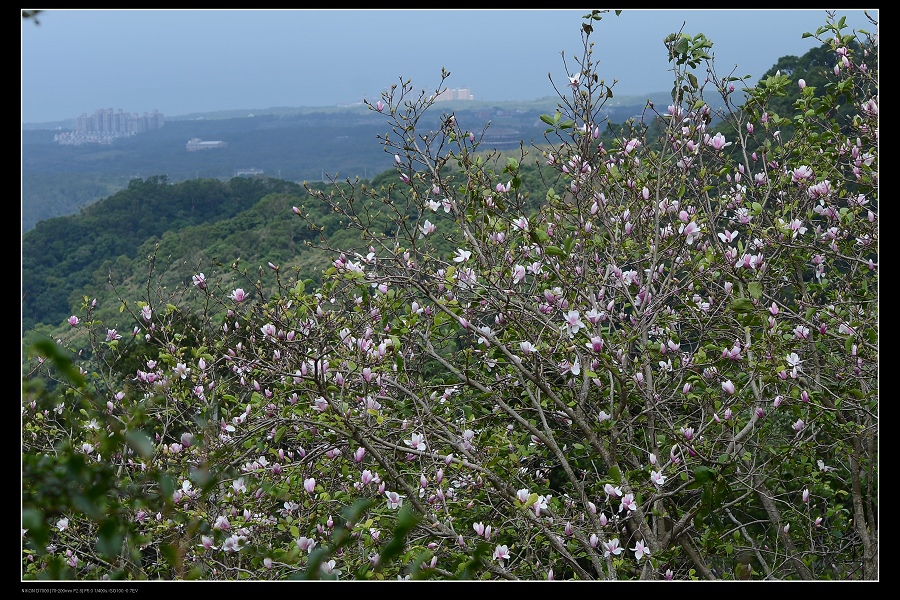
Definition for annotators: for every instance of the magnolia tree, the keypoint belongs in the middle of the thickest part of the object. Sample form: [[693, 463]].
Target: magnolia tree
[[667, 371]]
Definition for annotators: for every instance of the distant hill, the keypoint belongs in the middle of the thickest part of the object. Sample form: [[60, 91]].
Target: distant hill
[[295, 144]]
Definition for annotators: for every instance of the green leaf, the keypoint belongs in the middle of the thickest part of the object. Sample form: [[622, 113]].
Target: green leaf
[[540, 236], [755, 289], [139, 442], [742, 305], [109, 538], [166, 485], [703, 474], [170, 551]]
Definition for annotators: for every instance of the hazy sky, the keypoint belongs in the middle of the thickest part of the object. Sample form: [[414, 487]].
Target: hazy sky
[[185, 61]]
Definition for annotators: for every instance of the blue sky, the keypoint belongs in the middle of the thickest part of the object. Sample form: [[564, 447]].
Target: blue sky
[[186, 61]]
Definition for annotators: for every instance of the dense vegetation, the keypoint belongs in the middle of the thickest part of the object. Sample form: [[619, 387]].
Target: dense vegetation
[[61, 255], [651, 354]]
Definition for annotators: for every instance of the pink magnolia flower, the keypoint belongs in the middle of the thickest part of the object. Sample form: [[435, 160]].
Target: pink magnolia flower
[[309, 484], [640, 550], [718, 141], [691, 232], [628, 503], [631, 145], [238, 295], [461, 255], [657, 477], [540, 504], [734, 353], [305, 543], [427, 227], [612, 491], [612, 547], [805, 495], [728, 387], [417, 441], [199, 280], [728, 236], [394, 500], [518, 273], [73, 321], [501, 553], [573, 323], [596, 344], [673, 454], [379, 106], [182, 370]]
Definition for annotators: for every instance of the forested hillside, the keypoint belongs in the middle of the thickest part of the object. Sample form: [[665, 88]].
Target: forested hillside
[[61, 255], [181, 225]]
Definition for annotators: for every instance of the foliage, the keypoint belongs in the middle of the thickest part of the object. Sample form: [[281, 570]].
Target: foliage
[[666, 368], [61, 255]]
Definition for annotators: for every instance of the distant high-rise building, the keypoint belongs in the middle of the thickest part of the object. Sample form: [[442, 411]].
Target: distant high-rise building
[[106, 120], [455, 94]]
